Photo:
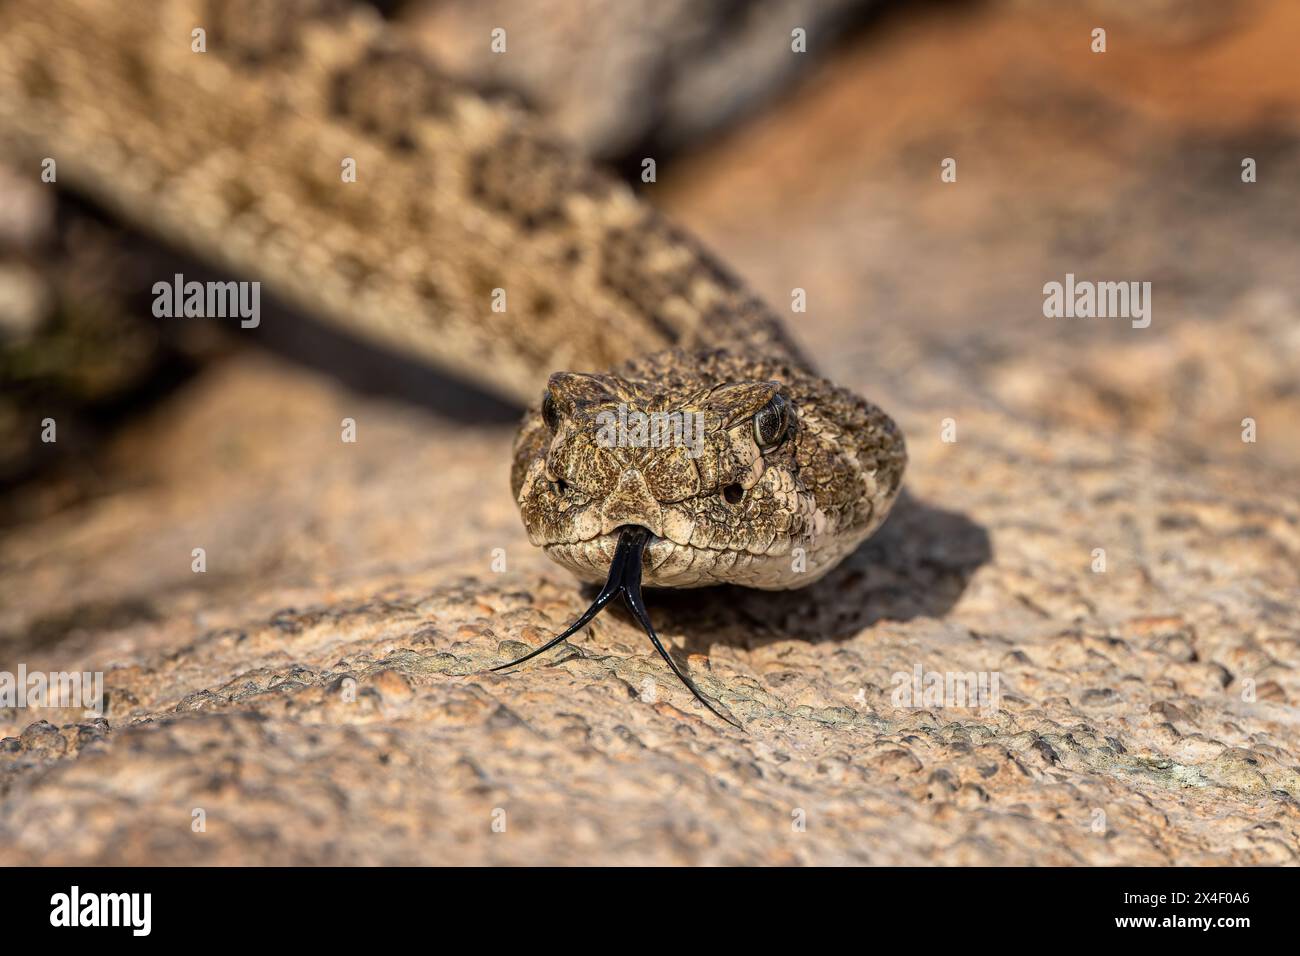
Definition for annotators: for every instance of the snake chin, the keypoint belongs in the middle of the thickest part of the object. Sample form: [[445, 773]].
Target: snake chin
[[672, 565], [774, 476]]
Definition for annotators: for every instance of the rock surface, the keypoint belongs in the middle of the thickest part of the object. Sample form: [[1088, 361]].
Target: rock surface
[[318, 695]]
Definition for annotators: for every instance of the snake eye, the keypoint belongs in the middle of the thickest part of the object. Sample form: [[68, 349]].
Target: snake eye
[[550, 414], [772, 423]]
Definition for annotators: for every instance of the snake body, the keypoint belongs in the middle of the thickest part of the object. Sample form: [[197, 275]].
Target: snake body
[[466, 238]]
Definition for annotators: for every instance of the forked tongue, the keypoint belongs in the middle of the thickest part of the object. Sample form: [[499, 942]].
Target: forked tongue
[[625, 579]]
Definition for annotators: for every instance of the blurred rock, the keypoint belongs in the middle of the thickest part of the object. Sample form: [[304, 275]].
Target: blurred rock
[[613, 77]]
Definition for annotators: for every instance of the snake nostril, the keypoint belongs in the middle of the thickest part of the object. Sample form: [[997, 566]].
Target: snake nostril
[[732, 494]]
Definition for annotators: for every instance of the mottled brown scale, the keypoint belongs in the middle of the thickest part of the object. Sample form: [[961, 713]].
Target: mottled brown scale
[[261, 32], [235, 155], [528, 180], [386, 94]]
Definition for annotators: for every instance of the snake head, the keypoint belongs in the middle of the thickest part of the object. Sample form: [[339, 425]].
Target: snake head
[[744, 471]]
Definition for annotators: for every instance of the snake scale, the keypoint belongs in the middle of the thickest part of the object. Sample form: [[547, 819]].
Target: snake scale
[[222, 127]]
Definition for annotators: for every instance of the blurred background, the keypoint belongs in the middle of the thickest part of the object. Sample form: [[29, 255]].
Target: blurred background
[[819, 171]]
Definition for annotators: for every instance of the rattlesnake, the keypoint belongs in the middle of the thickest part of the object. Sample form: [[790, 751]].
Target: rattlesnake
[[222, 127]]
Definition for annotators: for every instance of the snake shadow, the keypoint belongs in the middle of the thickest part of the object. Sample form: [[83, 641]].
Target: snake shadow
[[916, 565]]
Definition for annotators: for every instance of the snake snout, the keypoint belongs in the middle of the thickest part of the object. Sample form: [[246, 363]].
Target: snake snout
[[631, 503]]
